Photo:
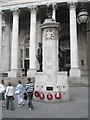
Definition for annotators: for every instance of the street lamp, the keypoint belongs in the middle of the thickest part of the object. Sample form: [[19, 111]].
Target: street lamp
[[82, 18]]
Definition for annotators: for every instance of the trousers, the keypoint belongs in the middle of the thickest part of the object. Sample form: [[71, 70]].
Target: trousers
[[20, 98], [9, 98], [30, 96]]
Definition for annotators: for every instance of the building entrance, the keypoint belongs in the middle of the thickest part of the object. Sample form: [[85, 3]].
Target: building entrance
[[24, 55], [26, 66], [64, 54]]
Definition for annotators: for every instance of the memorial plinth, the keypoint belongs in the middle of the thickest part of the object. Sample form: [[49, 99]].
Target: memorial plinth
[[51, 85]]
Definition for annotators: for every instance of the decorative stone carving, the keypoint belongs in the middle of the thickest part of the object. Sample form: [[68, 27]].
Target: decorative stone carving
[[15, 10], [48, 34], [72, 5], [33, 9]]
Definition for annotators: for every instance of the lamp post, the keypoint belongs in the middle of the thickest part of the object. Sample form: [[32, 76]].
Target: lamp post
[[82, 18]]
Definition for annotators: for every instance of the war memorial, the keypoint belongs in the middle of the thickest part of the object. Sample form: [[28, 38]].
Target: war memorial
[[46, 41]]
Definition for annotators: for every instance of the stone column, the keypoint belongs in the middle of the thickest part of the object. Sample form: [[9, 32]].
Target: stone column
[[88, 53], [14, 45], [7, 48], [3, 45], [54, 11], [32, 50], [0, 36], [75, 71]]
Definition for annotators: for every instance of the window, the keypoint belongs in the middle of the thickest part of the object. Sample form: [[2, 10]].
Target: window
[[82, 62], [26, 52]]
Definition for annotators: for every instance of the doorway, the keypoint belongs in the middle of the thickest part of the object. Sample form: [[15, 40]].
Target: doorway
[[64, 54], [26, 66]]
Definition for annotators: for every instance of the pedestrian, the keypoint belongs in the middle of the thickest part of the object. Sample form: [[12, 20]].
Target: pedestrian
[[30, 89], [19, 88], [2, 91], [9, 96]]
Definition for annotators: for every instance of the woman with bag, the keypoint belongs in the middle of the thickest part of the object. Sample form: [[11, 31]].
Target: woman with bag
[[9, 96], [19, 92]]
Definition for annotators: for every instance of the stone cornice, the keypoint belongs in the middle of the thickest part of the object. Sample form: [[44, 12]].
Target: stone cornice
[[26, 3], [30, 3]]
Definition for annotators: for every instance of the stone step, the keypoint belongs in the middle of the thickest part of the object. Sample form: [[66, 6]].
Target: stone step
[[78, 81]]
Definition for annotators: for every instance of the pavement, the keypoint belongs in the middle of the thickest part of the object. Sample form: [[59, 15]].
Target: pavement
[[77, 107]]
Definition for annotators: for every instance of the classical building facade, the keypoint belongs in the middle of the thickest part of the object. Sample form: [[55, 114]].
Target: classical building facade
[[20, 33]]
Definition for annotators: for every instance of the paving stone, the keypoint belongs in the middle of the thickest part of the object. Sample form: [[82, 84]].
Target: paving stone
[[77, 107]]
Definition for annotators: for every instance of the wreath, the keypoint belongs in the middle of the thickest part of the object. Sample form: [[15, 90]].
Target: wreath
[[42, 96], [57, 95], [49, 96], [36, 93]]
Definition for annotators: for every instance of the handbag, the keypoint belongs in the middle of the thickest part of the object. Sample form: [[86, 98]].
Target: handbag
[[25, 95], [17, 92]]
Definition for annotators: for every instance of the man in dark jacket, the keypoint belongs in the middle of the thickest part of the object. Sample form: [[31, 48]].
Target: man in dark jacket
[[30, 89]]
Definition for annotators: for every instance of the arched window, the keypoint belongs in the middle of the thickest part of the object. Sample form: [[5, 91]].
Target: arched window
[[26, 47]]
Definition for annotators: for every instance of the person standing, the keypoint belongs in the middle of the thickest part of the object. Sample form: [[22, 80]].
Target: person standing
[[9, 96], [19, 88], [2, 91], [30, 89]]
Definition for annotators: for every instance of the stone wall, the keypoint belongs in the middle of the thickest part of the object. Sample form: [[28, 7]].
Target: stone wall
[[14, 81], [73, 82]]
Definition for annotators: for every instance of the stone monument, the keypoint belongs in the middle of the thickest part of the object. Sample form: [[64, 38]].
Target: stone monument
[[51, 85]]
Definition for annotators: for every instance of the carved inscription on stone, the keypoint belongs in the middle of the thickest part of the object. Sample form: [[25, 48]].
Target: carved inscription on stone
[[48, 34]]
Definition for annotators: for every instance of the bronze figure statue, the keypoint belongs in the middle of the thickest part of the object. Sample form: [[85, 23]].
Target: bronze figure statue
[[39, 56], [49, 11], [61, 57]]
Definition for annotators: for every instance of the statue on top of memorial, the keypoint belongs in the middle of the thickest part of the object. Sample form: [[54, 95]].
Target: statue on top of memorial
[[49, 11]]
